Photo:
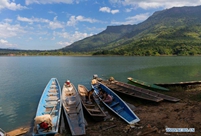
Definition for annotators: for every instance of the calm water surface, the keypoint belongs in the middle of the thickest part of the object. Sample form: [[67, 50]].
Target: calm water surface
[[22, 79]]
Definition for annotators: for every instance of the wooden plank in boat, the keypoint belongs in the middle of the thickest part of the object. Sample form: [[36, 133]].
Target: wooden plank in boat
[[52, 94], [49, 106], [52, 99], [90, 105], [94, 110], [52, 91]]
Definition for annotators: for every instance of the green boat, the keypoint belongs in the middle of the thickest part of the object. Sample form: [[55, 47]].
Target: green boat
[[146, 85]]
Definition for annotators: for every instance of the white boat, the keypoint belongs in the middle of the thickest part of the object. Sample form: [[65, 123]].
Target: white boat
[[73, 109]]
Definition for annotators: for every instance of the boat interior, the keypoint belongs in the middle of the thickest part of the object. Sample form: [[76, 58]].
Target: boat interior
[[73, 108], [91, 107], [52, 100]]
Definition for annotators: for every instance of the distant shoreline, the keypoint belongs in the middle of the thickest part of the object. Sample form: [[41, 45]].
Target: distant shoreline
[[80, 55]]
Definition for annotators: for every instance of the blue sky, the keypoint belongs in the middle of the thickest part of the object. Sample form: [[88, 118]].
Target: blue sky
[[53, 24]]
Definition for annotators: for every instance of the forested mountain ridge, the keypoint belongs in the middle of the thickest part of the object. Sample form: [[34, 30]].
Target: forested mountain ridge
[[174, 31], [99, 41]]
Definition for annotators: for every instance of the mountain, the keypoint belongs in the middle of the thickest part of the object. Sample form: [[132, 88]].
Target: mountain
[[170, 31], [99, 41]]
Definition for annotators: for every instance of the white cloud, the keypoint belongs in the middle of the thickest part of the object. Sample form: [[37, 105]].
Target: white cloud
[[83, 19], [7, 20], [95, 29], [71, 38], [8, 30], [108, 10], [24, 19], [148, 4], [6, 44], [64, 44], [105, 9], [133, 20], [74, 20], [52, 24], [6, 4], [56, 24], [78, 36], [3, 41], [28, 2], [138, 18], [128, 9], [32, 20], [114, 11]]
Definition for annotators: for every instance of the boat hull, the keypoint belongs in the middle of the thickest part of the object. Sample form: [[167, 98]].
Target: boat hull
[[130, 91], [49, 106], [138, 92], [146, 85], [118, 106]]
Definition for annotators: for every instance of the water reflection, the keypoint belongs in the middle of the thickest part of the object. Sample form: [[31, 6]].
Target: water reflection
[[168, 74]]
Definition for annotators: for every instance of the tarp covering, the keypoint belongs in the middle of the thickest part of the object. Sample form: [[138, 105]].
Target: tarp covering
[[43, 118]]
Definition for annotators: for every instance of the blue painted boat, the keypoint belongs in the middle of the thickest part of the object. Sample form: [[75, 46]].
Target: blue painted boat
[[49, 110], [118, 106], [73, 109]]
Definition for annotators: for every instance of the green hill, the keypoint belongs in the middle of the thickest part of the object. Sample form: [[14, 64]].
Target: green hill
[[101, 40], [174, 31]]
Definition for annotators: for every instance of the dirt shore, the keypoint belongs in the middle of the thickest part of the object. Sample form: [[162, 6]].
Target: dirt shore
[[156, 117]]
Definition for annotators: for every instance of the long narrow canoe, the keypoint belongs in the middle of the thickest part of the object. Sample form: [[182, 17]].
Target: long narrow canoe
[[118, 106], [130, 91], [93, 109], [146, 84], [73, 110], [49, 109], [143, 91]]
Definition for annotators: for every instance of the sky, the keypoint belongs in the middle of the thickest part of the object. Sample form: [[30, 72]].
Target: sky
[[54, 24]]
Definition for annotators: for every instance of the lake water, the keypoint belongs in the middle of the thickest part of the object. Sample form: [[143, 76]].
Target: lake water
[[23, 79]]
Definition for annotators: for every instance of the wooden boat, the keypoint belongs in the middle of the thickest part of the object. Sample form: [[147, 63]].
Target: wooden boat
[[2, 132], [135, 91], [118, 106], [146, 84], [93, 109], [49, 110], [180, 83], [132, 91], [73, 109]]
